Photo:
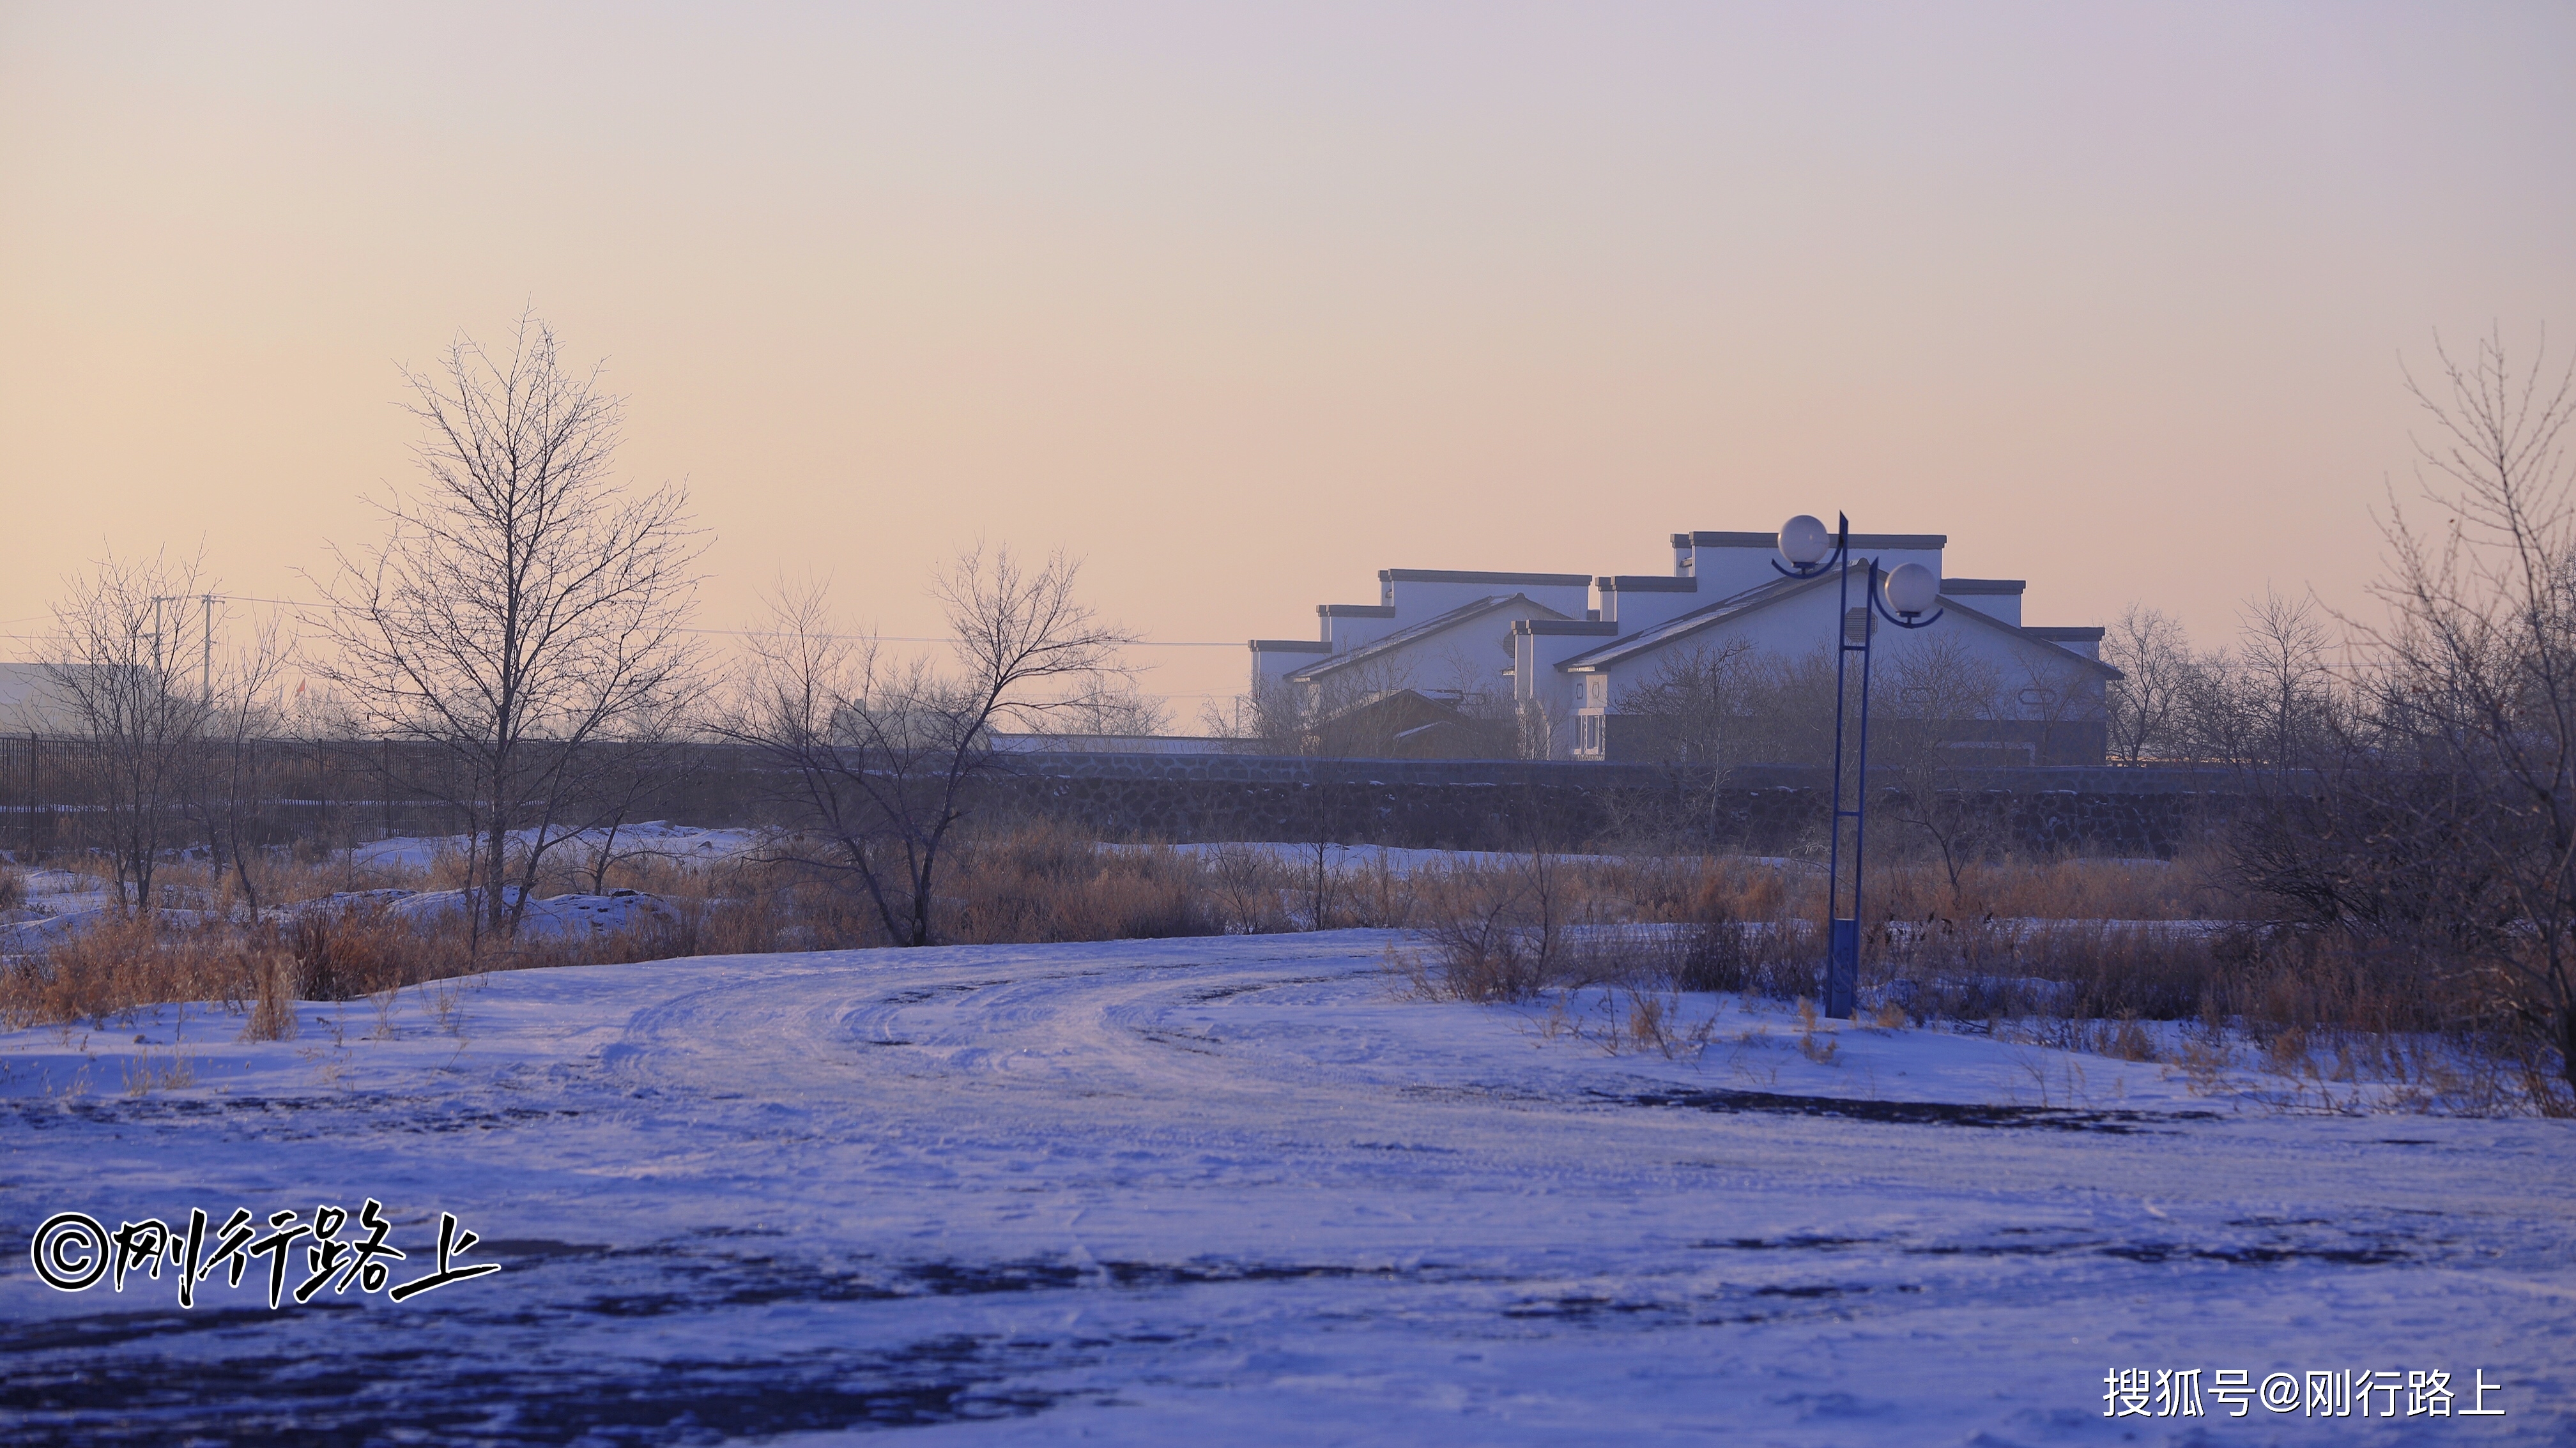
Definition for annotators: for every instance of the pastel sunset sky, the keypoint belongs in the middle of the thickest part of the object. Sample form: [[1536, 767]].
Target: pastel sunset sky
[[1242, 303]]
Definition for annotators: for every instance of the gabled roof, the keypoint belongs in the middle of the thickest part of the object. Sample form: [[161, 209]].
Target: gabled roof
[[1683, 625], [2050, 638], [1763, 596], [1464, 613]]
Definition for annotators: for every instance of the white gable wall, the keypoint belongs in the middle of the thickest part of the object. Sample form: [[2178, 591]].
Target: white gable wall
[[1273, 660], [1996, 598], [1807, 623], [1469, 657], [1636, 603], [1421, 594], [1347, 626]]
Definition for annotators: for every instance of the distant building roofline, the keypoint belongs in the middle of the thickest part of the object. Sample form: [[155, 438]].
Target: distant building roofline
[[1290, 646], [2061, 634], [1973, 587], [1645, 583], [1582, 627], [1455, 575], [1356, 610], [1772, 540]]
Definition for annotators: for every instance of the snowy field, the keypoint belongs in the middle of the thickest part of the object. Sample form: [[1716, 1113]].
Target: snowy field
[[61, 904], [654, 839], [1244, 1191]]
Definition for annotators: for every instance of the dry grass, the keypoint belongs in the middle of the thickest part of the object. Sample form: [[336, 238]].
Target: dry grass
[[2082, 955], [2085, 953], [1045, 883]]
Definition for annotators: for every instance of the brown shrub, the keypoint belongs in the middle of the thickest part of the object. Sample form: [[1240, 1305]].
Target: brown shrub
[[272, 1015], [118, 964], [1045, 883]]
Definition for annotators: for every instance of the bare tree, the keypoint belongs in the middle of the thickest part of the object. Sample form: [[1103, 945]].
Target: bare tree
[[1273, 717], [123, 684], [881, 755], [2452, 818], [1443, 706], [2284, 686], [1943, 696], [2147, 708], [1110, 707], [230, 787], [525, 608], [1721, 705]]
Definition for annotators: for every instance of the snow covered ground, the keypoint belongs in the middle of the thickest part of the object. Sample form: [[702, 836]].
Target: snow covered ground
[[60, 903], [547, 917], [1244, 1190], [653, 838]]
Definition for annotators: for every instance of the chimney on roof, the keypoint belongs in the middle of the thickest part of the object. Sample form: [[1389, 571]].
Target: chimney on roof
[[1681, 555]]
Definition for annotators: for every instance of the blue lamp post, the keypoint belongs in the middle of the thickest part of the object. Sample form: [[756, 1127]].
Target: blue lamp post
[[1905, 599]]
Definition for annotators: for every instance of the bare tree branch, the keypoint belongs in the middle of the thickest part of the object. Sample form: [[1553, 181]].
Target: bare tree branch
[[524, 608], [879, 757]]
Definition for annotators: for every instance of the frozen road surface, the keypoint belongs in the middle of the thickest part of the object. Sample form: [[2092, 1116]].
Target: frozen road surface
[[1245, 1191]]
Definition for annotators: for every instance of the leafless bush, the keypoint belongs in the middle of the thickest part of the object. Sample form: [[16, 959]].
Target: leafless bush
[[879, 757], [1505, 932], [1248, 883], [1777, 959]]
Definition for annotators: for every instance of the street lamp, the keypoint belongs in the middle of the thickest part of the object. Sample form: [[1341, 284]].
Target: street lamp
[[1905, 600]]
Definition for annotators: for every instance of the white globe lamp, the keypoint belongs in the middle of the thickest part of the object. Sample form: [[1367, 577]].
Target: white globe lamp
[[1911, 589], [1805, 542]]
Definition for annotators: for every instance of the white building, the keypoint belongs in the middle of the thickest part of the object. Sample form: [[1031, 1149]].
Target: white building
[[1567, 649], [1431, 629], [30, 702]]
